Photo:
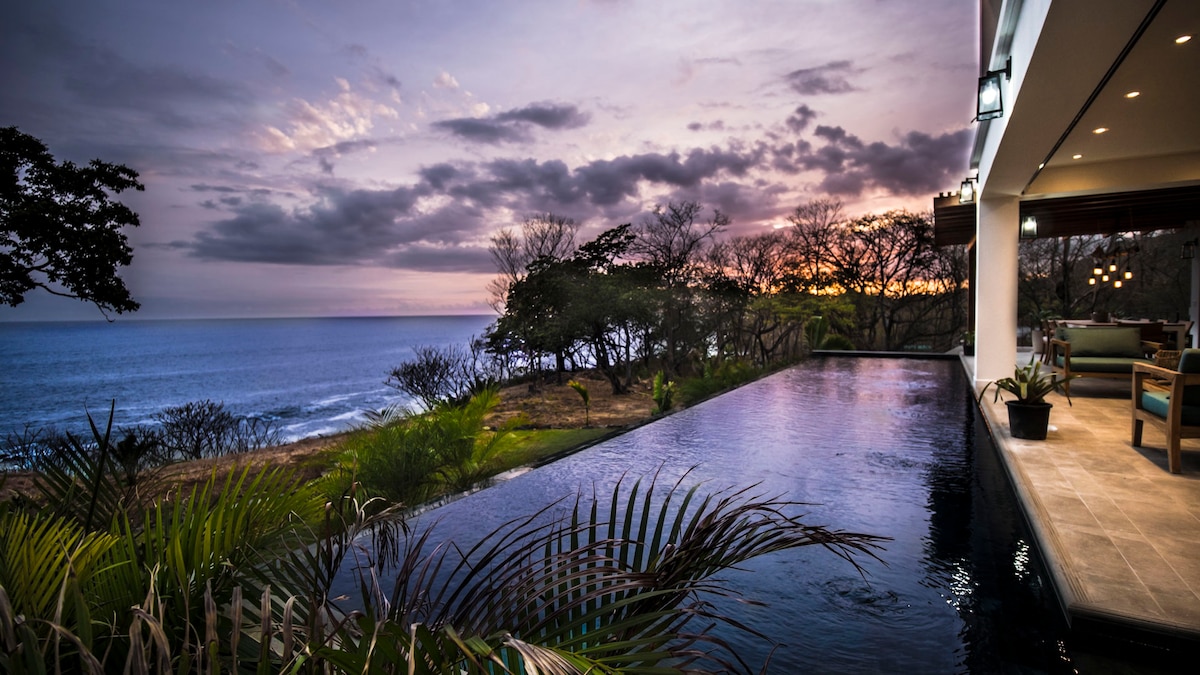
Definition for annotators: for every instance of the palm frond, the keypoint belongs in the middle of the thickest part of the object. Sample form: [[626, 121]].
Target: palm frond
[[620, 586]]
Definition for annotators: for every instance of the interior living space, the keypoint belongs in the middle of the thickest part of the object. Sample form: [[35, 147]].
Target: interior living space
[[1088, 123]]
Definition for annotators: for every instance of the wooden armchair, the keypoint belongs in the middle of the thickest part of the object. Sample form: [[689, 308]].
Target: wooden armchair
[[1170, 401]]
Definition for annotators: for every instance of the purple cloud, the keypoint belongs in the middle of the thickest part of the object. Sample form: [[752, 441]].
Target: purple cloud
[[831, 78]]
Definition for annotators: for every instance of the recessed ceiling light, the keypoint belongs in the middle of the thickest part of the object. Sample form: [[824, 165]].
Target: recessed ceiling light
[[1133, 94], [1182, 39], [1099, 130], [1076, 156]]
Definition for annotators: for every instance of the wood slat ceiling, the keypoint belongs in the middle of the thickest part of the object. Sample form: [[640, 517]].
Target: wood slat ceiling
[[1140, 211]]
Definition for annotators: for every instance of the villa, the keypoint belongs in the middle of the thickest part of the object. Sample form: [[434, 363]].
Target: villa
[[1088, 123]]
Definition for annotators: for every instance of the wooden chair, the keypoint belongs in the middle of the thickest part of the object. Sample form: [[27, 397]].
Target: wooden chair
[[1169, 400]]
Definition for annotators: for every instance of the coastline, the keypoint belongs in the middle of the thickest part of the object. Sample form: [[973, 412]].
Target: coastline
[[554, 406]]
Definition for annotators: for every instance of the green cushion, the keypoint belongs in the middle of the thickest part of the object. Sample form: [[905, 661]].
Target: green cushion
[[1104, 364], [1104, 341], [1157, 402]]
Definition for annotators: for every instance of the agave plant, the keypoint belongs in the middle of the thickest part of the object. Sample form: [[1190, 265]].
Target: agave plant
[[1029, 384]]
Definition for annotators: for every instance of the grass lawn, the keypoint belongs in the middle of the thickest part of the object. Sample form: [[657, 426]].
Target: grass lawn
[[528, 446]]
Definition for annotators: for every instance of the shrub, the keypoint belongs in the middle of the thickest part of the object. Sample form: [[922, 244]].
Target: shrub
[[200, 429], [30, 448], [718, 375], [663, 393], [838, 343], [395, 461]]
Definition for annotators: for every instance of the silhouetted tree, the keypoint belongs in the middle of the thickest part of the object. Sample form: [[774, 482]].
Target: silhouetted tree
[[60, 230], [542, 236]]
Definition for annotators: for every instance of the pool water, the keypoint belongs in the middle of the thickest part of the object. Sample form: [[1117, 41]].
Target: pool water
[[891, 447]]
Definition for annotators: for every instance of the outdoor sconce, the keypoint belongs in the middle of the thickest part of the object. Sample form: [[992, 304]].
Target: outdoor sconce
[[1188, 251], [1029, 228], [966, 192], [990, 103]]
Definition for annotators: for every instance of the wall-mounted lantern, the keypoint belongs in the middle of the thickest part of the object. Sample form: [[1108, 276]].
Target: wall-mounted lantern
[[990, 102], [966, 192], [1029, 228]]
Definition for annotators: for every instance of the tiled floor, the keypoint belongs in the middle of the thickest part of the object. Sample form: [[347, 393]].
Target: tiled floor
[[1120, 533]]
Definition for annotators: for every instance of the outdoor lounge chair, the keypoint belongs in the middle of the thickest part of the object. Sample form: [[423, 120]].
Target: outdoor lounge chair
[[1170, 401]]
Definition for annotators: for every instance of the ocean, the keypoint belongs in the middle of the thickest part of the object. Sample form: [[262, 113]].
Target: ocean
[[309, 376]]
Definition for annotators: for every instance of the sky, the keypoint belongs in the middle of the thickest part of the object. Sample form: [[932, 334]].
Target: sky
[[354, 157]]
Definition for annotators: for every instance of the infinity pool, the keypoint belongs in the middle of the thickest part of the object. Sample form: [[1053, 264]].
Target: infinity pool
[[885, 446]]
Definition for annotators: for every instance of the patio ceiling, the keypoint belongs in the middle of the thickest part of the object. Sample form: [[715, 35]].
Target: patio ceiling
[[1150, 139], [1143, 171]]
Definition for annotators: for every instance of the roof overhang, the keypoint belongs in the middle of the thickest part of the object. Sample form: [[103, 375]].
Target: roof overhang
[[1073, 64], [1107, 213]]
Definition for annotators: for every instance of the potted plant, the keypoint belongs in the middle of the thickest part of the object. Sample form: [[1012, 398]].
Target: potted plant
[[1029, 413], [1037, 333], [968, 343]]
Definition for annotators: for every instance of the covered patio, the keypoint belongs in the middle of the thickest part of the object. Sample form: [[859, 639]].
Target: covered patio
[[1094, 129], [1119, 532]]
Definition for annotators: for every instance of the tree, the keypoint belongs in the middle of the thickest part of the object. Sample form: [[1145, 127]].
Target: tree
[[60, 227], [672, 243], [542, 236]]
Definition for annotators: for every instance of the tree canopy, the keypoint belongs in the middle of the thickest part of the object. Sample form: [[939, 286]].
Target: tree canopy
[[60, 228], [668, 294]]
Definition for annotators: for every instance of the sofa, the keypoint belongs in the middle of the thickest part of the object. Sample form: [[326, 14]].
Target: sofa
[[1100, 351]]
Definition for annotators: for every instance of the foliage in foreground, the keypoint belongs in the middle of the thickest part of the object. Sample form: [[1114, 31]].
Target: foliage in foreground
[[408, 457], [242, 579]]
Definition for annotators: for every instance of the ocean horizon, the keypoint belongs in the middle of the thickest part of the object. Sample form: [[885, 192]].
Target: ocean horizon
[[308, 376]]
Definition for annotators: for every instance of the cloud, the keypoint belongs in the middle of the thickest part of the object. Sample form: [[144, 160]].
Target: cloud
[[163, 96], [609, 181], [830, 78], [273, 66], [918, 164], [346, 116], [445, 80], [512, 126], [483, 130], [345, 227], [799, 120], [443, 220], [547, 116]]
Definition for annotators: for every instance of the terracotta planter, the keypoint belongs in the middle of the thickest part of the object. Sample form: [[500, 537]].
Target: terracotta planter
[[1028, 420]]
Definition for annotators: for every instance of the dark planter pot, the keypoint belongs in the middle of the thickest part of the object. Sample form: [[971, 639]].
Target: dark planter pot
[[968, 350], [1028, 420]]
